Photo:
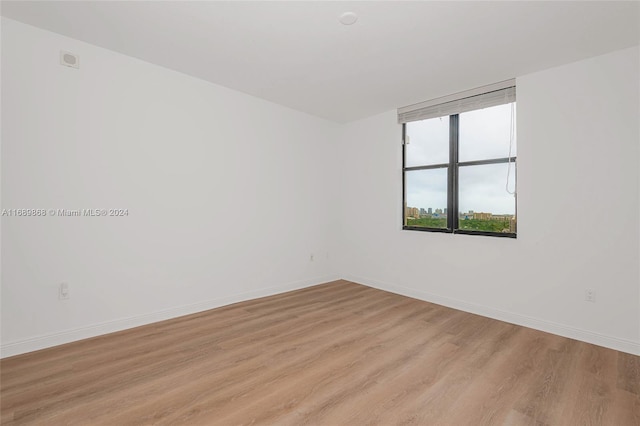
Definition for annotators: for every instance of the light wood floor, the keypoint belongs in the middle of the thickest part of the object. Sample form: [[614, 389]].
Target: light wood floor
[[334, 354]]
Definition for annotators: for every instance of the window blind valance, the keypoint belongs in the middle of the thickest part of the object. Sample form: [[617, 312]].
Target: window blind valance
[[481, 97]]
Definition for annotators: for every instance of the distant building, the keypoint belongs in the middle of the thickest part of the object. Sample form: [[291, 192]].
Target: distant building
[[429, 210], [411, 212], [482, 216], [504, 217]]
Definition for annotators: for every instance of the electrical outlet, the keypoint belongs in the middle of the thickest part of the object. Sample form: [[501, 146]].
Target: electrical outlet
[[590, 295], [63, 291]]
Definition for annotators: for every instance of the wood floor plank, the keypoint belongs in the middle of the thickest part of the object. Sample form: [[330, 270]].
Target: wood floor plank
[[629, 373], [280, 367], [542, 402], [503, 381], [334, 354]]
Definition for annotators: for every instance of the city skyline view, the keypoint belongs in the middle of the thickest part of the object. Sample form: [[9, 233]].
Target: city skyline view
[[467, 220], [442, 212]]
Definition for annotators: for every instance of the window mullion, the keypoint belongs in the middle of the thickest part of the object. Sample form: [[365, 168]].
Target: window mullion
[[452, 192], [404, 172]]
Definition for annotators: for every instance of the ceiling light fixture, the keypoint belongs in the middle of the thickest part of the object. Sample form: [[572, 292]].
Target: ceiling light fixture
[[348, 18]]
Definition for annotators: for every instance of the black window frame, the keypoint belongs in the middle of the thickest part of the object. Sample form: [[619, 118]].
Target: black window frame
[[453, 169]]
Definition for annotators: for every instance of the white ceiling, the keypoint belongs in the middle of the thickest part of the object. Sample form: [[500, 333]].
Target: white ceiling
[[297, 53]]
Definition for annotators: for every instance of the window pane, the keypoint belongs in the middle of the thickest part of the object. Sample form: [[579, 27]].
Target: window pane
[[485, 133], [428, 142], [485, 204], [426, 195]]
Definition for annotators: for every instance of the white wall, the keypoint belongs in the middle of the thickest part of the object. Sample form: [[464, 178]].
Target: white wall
[[578, 212], [228, 195]]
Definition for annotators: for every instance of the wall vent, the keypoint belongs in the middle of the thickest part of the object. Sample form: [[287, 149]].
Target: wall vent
[[69, 59]]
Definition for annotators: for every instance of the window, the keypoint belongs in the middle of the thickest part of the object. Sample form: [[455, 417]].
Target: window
[[459, 163]]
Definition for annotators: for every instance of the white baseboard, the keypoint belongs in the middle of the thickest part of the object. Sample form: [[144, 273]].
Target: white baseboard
[[622, 345], [67, 336]]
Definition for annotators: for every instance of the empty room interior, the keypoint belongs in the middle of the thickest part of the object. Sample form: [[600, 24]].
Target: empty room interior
[[320, 213]]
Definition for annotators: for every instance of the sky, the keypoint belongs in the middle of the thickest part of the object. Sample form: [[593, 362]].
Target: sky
[[484, 134]]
